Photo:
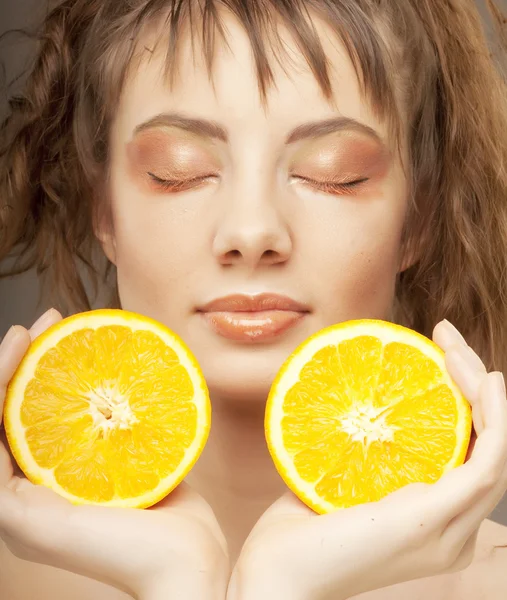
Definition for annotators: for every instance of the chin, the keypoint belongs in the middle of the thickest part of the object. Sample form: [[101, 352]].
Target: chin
[[242, 374], [236, 392]]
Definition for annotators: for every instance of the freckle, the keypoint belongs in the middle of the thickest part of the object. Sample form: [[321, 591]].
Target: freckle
[[421, 525], [372, 519]]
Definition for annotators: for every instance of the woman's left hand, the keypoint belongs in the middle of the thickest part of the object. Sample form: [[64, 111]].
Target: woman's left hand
[[421, 530]]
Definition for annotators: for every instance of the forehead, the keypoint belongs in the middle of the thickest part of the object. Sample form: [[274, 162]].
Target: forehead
[[231, 95]]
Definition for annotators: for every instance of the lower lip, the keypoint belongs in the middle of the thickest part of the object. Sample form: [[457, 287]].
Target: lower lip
[[253, 326]]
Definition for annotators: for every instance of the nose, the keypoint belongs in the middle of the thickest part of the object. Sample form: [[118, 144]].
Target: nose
[[252, 230]]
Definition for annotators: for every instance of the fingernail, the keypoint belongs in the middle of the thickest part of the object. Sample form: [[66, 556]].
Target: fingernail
[[42, 320], [454, 332], [469, 356], [11, 335]]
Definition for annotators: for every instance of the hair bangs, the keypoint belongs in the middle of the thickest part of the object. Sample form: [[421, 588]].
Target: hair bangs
[[353, 24]]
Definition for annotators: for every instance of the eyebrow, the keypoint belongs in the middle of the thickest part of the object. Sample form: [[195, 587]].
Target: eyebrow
[[213, 130]]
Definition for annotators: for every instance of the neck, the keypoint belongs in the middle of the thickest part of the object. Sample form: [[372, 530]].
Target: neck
[[235, 472]]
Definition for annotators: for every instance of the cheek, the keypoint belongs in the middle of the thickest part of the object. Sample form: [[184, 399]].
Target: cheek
[[359, 269], [153, 253], [368, 286]]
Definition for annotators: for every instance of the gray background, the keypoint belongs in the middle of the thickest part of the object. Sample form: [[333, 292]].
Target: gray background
[[19, 296]]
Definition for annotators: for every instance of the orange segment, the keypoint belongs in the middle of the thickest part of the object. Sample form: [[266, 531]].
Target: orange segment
[[406, 371], [48, 442], [33, 411], [361, 409], [361, 361], [86, 473], [108, 407]]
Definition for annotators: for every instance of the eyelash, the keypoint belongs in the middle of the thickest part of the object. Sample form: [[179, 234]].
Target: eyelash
[[179, 185], [332, 187], [329, 187]]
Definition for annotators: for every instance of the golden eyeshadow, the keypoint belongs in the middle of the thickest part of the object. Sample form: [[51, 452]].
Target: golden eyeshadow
[[341, 157], [170, 155]]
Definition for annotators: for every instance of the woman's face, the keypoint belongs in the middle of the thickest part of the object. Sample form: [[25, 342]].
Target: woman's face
[[301, 200]]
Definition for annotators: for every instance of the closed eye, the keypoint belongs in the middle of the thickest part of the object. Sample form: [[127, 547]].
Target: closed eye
[[179, 185], [334, 187]]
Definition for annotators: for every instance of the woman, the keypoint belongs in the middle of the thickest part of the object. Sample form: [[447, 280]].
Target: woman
[[367, 178]]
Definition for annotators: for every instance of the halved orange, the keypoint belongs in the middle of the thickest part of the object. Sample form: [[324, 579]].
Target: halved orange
[[108, 407], [361, 409]]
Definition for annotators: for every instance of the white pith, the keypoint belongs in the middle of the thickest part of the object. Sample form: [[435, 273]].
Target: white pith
[[366, 424], [110, 409]]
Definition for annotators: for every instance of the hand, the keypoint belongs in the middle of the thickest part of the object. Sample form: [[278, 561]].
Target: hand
[[174, 549], [418, 531]]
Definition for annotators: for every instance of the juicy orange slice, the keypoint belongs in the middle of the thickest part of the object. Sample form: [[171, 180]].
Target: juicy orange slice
[[361, 409], [108, 407]]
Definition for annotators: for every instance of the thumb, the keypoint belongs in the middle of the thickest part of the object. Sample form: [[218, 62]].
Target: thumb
[[287, 506], [186, 501], [181, 497], [30, 518], [22, 502]]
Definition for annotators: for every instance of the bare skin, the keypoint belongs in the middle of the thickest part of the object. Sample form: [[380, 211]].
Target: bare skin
[[249, 229], [486, 577]]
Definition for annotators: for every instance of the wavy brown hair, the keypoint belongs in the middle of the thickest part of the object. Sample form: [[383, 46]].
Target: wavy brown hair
[[424, 65]]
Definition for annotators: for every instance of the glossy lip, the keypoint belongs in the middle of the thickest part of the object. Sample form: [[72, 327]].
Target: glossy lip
[[247, 303], [257, 318]]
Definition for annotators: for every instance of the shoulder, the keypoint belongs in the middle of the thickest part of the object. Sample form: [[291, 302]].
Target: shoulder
[[486, 577]]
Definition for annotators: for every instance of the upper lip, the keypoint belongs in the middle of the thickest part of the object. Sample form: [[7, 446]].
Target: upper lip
[[247, 303]]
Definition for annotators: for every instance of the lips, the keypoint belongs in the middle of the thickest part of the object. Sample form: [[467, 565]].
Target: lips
[[253, 318]]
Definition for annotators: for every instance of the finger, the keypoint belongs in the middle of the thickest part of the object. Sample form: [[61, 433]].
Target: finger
[[23, 505], [49, 318], [13, 348], [183, 497], [462, 366], [494, 480], [471, 446], [477, 486], [288, 505], [186, 501], [34, 521], [10, 511], [446, 335], [6, 466]]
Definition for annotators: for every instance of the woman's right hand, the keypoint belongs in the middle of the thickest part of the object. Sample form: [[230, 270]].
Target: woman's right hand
[[419, 531], [174, 549]]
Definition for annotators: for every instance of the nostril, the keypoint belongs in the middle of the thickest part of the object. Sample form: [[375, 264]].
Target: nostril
[[269, 257]]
